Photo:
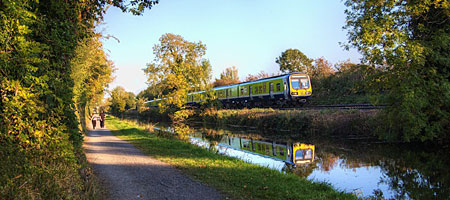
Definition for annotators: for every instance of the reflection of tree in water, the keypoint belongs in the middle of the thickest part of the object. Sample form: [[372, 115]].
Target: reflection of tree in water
[[182, 131], [213, 136], [419, 175], [413, 172], [327, 161], [303, 170]]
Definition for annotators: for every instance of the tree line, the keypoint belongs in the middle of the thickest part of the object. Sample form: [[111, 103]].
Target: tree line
[[53, 70]]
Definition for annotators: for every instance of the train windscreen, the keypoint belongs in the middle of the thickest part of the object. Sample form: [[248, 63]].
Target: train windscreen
[[300, 83]]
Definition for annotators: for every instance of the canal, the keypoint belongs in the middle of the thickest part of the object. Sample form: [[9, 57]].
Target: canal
[[363, 167]]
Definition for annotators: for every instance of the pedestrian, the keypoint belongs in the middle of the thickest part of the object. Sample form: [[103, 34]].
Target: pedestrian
[[102, 119], [94, 120]]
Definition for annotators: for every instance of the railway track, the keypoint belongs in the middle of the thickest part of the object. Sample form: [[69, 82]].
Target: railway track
[[338, 106]]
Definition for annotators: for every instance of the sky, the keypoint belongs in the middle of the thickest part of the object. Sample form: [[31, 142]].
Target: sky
[[247, 34]]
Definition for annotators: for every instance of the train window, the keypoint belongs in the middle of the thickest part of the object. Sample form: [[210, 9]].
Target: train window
[[305, 83], [264, 87], [260, 89], [278, 87], [299, 155], [295, 84], [308, 154]]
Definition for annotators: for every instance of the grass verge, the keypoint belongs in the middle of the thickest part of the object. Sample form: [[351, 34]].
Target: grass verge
[[233, 177]]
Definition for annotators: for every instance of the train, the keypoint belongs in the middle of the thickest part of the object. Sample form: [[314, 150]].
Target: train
[[287, 90]]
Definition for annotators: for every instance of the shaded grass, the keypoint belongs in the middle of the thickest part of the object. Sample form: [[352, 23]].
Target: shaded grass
[[233, 177]]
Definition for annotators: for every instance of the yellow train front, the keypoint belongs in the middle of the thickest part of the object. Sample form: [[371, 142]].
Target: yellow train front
[[299, 88]]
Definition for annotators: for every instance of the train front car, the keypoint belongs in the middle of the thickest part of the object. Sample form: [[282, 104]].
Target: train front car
[[299, 88]]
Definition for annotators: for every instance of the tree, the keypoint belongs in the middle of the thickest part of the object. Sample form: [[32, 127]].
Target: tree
[[321, 68], [118, 100], [91, 73], [409, 42], [344, 66], [130, 101], [293, 60], [260, 75], [140, 105], [230, 73], [178, 68], [228, 77]]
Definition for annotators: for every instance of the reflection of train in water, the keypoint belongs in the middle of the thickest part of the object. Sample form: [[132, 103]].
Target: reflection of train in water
[[293, 153], [303, 153]]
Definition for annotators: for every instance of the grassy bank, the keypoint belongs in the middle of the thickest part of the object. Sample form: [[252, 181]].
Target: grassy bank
[[319, 122], [235, 178]]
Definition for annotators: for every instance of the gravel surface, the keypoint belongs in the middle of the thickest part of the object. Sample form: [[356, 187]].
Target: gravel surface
[[129, 174]]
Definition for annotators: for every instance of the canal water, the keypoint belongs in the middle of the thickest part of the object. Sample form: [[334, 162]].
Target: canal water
[[366, 168]]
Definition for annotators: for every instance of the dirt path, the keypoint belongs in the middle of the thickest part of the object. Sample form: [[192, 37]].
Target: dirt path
[[129, 174]]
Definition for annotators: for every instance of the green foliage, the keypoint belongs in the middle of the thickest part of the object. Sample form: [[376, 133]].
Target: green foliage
[[91, 73], [293, 60], [177, 69], [410, 43], [347, 86], [51, 64], [118, 100], [140, 105], [181, 115], [130, 101]]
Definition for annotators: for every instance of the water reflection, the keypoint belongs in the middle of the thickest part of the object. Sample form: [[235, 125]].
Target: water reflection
[[367, 169]]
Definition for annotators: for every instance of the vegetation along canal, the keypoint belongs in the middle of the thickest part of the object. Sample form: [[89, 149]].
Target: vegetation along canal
[[368, 169]]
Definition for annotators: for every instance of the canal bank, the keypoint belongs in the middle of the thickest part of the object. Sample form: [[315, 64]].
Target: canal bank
[[239, 179], [366, 167], [351, 123]]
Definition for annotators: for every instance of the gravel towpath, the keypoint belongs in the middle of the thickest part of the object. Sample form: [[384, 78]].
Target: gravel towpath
[[127, 173]]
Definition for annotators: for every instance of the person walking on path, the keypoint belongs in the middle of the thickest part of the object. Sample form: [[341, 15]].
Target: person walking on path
[[127, 173], [94, 120], [102, 119]]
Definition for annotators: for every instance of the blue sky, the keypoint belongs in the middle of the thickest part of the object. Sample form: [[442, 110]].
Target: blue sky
[[248, 34]]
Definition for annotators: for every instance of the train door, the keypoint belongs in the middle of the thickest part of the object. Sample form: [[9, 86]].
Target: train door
[[226, 90], [250, 91], [271, 90], [286, 92]]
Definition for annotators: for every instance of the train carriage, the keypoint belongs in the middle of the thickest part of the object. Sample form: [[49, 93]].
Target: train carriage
[[287, 90]]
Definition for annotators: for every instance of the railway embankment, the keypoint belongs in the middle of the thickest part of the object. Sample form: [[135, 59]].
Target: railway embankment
[[352, 123], [346, 123]]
